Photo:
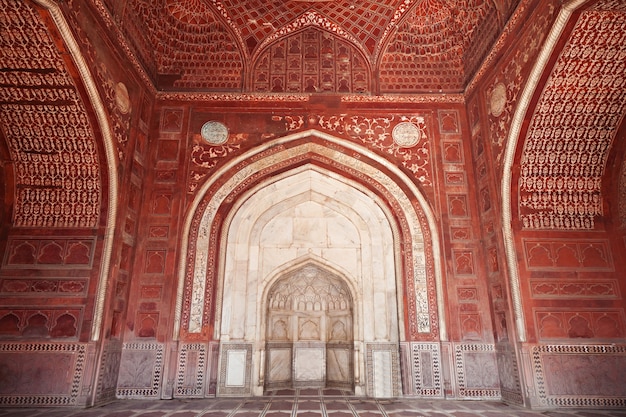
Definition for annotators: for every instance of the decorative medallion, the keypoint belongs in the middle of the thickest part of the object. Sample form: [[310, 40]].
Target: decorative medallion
[[406, 134], [122, 99], [497, 101], [215, 133]]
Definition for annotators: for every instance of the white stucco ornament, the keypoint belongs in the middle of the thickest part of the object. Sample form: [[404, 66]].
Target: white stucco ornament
[[214, 133]]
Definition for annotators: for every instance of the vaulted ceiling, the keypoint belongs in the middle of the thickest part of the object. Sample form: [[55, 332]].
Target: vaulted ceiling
[[400, 46], [397, 46]]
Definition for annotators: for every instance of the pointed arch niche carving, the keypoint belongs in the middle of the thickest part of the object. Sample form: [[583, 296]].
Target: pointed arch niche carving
[[309, 328], [310, 201]]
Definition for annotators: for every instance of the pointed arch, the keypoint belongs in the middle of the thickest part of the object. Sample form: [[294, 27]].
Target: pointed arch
[[108, 143], [197, 273], [513, 142]]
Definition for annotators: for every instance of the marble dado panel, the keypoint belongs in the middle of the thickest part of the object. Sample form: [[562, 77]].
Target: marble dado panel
[[109, 370], [473, 366], [508, 370], [192, 370], [196, 370], [382, 370], [476, 371], [422, 363], [583, 375], [141, 370], [235, 369], [31, 377]]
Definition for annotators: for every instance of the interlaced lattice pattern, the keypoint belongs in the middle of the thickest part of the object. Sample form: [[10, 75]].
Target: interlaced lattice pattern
[[57, 172], [573, 126], [257, 19]]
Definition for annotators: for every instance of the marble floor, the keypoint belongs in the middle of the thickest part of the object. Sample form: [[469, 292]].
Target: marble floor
[[303, 403]]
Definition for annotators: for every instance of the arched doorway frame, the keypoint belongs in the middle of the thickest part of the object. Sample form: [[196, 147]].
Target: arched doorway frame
[[281, 269], [350, 201], [190, 321]]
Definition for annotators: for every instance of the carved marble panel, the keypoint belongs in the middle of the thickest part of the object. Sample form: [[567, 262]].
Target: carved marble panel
[[476, 371], [141, 369], [579, 375], [30, 373], [235, 369]]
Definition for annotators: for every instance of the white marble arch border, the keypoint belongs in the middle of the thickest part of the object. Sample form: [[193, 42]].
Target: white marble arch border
[[259, 161], [513, 141], [325, 264], [103, 124]]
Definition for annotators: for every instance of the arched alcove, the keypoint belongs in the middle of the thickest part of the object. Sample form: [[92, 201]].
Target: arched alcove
[[309, 330], [309, 213], [309, 196]]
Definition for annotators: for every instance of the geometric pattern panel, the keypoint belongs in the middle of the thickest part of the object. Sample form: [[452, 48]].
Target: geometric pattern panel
[[580, 375], [192, 369], [44, 374], [140, 370], [311, 61], [48, 133], [108, 371], [508, 370], [573, 126]]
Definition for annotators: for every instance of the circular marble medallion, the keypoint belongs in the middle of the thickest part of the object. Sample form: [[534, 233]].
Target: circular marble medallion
[[214, 132], [122, 99], [406, 134], [497, 101]]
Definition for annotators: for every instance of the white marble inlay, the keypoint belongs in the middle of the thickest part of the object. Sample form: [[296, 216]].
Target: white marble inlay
[[279, 365], [383, 377], [309, 364], [236, 368]]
